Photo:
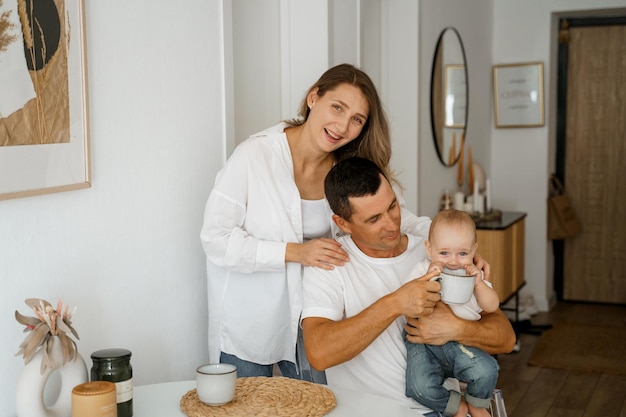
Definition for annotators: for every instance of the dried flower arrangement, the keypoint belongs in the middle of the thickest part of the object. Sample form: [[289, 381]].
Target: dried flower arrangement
[[49, 327]]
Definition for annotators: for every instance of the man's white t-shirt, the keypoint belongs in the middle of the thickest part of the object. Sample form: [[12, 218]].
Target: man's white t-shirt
[[346, 291]]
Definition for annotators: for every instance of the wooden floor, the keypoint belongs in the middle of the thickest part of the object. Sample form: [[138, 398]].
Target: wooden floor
[[541, 392]]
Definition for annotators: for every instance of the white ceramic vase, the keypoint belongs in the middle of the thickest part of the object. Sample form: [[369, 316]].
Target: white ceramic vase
[[31, 383]]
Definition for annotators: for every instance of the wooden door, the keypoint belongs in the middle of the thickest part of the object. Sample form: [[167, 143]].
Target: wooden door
[[594, 163]]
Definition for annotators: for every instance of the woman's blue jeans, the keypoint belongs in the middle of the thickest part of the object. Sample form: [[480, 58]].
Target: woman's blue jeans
[[245, 368], [303, 371], [428, 366]]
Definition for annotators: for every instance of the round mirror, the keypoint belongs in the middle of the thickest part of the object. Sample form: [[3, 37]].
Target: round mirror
[[449, 94]]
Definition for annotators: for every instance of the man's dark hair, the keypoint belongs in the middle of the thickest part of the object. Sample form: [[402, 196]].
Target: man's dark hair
[[351, 177]]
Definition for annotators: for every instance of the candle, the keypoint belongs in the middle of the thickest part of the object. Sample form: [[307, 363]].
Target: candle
[[480, 206], [476, 196], [459, 200], [95, 399], [488, 196]]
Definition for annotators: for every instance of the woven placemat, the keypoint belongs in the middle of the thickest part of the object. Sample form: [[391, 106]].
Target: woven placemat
[[263, 396]]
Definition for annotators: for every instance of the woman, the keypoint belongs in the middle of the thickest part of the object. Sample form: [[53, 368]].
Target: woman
[[267, 217]]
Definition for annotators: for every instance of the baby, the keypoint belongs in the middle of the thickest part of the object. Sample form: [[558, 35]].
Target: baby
[[452, 244]]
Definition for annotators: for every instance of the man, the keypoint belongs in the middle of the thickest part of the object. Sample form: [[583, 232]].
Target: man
[[354, 315]]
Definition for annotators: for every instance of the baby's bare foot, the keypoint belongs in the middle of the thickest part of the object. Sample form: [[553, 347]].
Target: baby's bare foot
[[463, 410], [478, 412]]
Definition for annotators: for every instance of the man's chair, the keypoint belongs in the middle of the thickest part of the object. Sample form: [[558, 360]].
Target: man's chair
[[497, 404]]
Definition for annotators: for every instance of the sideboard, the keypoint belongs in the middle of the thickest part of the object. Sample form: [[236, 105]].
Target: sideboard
[[501, 243]]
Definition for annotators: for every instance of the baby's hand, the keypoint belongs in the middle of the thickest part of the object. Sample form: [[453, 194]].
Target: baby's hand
[[435, 266], [473, 270]]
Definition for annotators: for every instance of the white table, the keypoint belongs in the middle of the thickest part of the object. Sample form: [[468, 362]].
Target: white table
[[163, 400]]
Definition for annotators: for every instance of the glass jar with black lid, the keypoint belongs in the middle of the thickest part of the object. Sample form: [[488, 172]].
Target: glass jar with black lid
[[114, 365]]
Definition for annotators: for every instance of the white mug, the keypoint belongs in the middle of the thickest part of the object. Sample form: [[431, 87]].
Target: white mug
[[456, 286], [216, 383]]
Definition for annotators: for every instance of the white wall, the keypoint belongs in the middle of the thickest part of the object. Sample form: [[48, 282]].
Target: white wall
[[400, 89], [521, 160], [256, 65], [344, 31], [435, 16], [126, 252], [271, 70]]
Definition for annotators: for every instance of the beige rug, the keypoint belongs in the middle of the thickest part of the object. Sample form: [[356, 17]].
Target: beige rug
[[580, 347]]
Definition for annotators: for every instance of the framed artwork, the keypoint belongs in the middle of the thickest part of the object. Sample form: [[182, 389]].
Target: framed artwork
[[455, 99], [44, 118], [518, 94]]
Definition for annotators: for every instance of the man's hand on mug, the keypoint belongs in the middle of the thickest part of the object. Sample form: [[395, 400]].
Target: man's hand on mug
[[418, 297]]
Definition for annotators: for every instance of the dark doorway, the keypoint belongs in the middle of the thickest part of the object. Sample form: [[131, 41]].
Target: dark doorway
[[591, 157]]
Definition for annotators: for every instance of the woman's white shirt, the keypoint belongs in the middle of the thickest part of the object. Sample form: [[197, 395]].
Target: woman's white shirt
[[254, 296]]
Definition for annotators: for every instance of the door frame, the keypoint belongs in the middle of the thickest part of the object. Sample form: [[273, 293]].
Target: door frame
[[561, 118]]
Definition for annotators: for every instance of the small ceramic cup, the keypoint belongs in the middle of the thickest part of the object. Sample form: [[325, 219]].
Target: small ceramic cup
[[216, 383], [456, 287]]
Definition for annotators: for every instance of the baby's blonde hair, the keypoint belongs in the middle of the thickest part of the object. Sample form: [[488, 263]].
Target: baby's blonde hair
[[452, 217]]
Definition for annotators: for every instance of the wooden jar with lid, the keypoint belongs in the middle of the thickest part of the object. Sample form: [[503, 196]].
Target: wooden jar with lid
[[94, 399]]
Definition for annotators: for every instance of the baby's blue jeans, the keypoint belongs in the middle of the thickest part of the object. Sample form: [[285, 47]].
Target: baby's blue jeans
[[428, 366]]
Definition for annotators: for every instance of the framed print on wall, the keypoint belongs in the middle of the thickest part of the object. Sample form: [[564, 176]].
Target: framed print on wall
[[44, 120], [518, 94]]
